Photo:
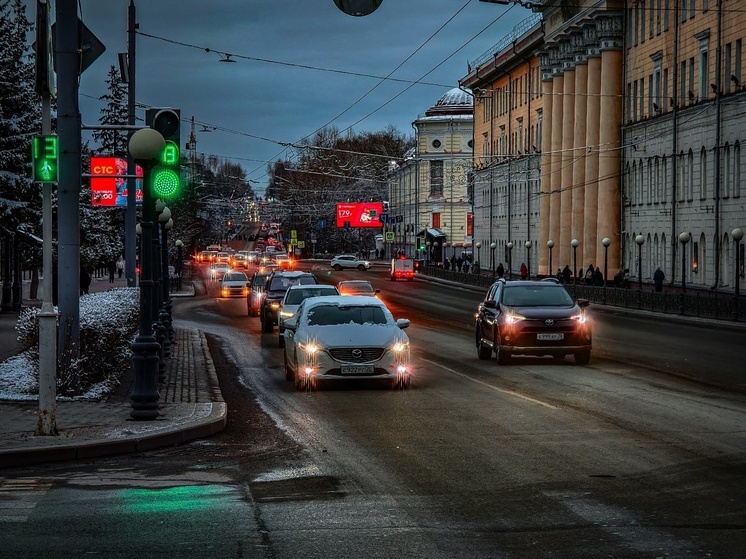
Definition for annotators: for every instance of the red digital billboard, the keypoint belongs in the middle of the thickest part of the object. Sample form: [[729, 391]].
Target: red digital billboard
[[109, 188], [359, 214]]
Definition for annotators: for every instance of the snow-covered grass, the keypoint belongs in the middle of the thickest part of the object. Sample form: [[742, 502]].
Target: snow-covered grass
[[108, 325]]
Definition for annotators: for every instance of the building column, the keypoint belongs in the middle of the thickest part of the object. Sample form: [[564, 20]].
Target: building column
[[546, 162], [610, 30], [555, 172], [578, 168], [593, 130], [568, 144]]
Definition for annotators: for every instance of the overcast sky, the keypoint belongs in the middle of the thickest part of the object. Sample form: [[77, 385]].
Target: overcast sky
[[300, 65]]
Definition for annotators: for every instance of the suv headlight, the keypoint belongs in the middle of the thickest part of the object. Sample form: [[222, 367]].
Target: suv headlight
[[310, 347], [399, 347], [274, 305], [286, 314], [512, 318], [580, 318]]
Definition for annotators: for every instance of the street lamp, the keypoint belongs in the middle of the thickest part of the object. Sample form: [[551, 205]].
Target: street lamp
[[575, 243], [435, 252], [479, 258], [683, 239], [737, 235], [510, 259], [429, 252], [146, 146], [166, 224], [606, 242], [528, 246], [550, 246], [493, 246], [640, 240], [179, 262]]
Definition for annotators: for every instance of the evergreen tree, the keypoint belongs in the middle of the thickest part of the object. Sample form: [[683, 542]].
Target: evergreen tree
[[114, 113], [20, 119]]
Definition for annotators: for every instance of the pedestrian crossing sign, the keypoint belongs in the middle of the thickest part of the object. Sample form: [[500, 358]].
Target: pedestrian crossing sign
[[44, 154]]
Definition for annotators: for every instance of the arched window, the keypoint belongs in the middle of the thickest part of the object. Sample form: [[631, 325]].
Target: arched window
[[737, 170], [651, 182], [664, 180], [682, 177], [657, 194], [703, 174], [690, 174], [727, 171]]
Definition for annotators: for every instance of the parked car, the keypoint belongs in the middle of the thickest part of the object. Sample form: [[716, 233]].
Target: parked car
[[357, 287], [532, 318], [345, 338], [218, 269], [234, 284], [277, 284], [294, 296], [257, 287], [349, 261]]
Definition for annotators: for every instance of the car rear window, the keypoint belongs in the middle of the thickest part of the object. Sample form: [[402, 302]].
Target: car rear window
[[282, 283], [235, 277], [536, 296], [296, 296]]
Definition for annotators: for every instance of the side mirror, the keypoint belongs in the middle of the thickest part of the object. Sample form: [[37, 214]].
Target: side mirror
[[377, 291], [490, 304], [402, 323], [583, 303]]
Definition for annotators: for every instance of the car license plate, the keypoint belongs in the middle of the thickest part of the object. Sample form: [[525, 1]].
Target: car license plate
[[357, 369], [550, 337]]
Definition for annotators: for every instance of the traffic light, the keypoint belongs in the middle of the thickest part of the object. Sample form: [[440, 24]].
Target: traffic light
[[44, 153], [166, 177]]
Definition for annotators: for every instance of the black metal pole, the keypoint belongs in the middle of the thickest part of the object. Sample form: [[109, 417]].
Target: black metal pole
[[145, 348], [180, 264], [606, 269], [166, 296], [551, 268]]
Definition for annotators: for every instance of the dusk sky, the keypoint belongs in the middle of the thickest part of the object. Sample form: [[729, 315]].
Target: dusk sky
[[300, 65]]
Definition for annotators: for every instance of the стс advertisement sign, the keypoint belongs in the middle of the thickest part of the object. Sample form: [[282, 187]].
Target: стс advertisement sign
[[109, 188]]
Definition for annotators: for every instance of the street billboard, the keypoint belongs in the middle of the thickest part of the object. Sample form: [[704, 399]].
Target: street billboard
[[109, 187], [359, 214]]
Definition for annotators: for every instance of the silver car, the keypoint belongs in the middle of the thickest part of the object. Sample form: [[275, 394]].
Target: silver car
[[294, 296], [346, 338], [349, 262]]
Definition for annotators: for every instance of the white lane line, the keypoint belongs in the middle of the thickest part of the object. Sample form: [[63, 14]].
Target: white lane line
[[508, 392]]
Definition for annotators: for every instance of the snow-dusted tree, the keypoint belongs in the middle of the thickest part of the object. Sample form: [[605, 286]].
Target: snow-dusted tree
[[114, 113], [20, 118]]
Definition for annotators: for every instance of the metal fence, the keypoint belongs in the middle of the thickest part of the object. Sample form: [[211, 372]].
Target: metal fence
[[712, 304]]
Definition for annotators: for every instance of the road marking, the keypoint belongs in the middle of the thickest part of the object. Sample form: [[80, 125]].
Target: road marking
[[508, 392]]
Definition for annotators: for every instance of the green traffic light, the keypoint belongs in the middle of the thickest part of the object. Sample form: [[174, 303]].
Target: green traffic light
[[166, 183]]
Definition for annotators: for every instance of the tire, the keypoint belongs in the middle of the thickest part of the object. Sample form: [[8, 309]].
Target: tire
[[338, 267], [483, 352], [583, 357], [267, 326], [281, 340], [289, 374], [361, 268], [503, 357]]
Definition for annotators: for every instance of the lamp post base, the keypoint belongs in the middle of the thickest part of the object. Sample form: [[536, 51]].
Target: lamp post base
[[145, 393]]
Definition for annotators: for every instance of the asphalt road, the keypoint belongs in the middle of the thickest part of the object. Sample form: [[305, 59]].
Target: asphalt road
[[536, 459]]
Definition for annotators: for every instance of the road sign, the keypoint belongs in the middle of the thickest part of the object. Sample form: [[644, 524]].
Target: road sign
[[44, 155], [301, 244], [389, 236], [90, 46]]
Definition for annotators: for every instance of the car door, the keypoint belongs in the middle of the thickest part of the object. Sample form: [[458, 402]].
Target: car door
[[488, 312]]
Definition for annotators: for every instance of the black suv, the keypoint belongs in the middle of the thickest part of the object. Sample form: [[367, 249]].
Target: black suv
[[277, 285], [532, 318]]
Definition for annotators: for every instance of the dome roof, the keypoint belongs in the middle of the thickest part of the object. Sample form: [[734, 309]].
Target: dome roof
[[454, 102]]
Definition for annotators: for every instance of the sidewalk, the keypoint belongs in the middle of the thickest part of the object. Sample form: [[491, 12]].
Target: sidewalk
[[191, 406]]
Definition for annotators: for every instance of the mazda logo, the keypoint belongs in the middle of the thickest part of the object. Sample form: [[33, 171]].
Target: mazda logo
[[357, 353], [549, 322]]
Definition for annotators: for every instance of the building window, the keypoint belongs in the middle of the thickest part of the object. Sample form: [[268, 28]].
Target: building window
[[702, 174], [690, 174], [436, 178], [737, 70], [737, 170], [665, 15], [651, 22], [436, 220], [682, 84], [664, 93], [658, 17], [692, 95], [436, 144], [704, 64], [726, 171]]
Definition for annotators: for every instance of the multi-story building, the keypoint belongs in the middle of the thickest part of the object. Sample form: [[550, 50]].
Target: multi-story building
[[429, 212], [684, 123]]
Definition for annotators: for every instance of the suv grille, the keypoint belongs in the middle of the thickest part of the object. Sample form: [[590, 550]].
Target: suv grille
[[366, 355]]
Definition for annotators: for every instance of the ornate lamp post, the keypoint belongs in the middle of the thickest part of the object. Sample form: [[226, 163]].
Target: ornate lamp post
[[146, 146], [435, 252], [606, 242], [550, 246], [528, 245], [575, 243], [493, 246], [479, 258], [510, 259], [683, 239], [179, 262], [737, 235], [429, 252]]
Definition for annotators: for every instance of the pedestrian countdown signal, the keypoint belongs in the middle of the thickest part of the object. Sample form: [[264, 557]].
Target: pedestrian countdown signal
[[44, 151]]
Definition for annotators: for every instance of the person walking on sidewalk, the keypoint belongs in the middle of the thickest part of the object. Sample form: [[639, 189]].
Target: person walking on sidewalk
[[120, 267], [85, 280], [112, 267]]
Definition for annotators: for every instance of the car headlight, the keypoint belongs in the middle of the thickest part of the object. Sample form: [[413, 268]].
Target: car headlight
[[399, 347], [512, 318], [581, 318], [310, 347], [286, 314], [274, 305]]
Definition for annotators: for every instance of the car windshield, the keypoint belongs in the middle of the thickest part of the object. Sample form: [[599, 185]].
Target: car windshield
[[330, 315], [296, 296], [536, 296], [281, 284], [235, 276]]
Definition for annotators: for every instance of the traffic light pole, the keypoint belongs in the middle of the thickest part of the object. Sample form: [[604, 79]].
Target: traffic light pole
[[130, 219]]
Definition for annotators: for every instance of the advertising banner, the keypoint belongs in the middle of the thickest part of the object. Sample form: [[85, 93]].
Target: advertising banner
[[109, 188], [359, 214]]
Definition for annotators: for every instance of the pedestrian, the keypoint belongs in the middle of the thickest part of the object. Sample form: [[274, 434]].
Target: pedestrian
[[466, 265], [112, 267], [447, 264], [85, 280], [120, 267], [500, 270], [658, 279], [459, 263], [598, 278], [567, 273], [524, 271], [560, 276], [589, 275]]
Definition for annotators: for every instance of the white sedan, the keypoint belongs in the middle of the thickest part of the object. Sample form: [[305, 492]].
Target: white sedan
[[346, 338], [349, 261]]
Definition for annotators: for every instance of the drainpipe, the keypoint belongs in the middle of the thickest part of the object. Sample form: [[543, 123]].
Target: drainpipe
[[718, 136]]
